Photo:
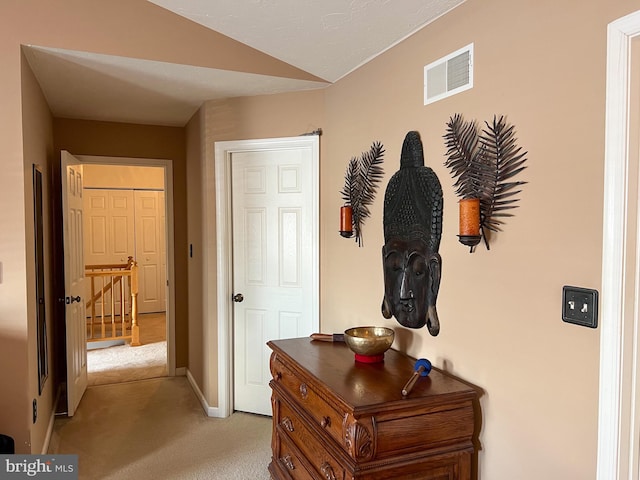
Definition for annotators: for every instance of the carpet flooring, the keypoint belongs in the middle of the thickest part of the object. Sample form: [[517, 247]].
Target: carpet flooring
[[156, 429], [124, 363]]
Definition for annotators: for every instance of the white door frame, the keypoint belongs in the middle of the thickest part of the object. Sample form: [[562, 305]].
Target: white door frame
[[168, 188], [219, 265], [617, 422]]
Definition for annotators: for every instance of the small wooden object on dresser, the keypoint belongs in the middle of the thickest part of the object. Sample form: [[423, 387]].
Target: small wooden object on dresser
[[337, 419]]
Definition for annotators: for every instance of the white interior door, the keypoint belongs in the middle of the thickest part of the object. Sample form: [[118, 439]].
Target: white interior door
[[109, 232], [109, 226], [273, 264], [74, 280], [150, 250]]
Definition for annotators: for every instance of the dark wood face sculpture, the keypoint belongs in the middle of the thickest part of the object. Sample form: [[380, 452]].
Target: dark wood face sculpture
[[412, 223]]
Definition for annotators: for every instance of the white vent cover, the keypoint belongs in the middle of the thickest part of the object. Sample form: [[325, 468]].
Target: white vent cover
[[449, 75]]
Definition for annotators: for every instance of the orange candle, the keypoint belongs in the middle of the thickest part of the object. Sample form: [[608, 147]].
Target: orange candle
[[346, 213], [470, 217]]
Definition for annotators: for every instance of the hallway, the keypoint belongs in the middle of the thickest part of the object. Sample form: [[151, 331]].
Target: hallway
[[156, 429]]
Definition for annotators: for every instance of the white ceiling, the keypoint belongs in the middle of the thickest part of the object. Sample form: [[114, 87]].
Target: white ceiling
[[327, 38]]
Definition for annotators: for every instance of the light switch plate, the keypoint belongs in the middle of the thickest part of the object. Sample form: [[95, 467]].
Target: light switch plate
[[580, 306]]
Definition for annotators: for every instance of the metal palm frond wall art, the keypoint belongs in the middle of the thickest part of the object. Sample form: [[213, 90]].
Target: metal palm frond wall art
[[361, 181], [483, 164]]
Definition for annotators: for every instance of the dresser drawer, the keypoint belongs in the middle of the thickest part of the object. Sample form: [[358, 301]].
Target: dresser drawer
[[287, 462], [409, 432], [448, 466], [307, 441], [326, 416]]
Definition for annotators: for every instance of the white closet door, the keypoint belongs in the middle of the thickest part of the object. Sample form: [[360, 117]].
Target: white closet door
[[109, 231], [150, 241], [109, 226]]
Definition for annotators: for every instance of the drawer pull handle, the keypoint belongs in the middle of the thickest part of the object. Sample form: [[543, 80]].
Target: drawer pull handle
[[325, 422], [288, 463], [287, 424], [303, 390], [327, 471]]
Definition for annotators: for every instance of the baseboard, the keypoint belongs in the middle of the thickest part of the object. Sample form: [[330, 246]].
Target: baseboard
[[209, 411], [52, 419], [181, 371]]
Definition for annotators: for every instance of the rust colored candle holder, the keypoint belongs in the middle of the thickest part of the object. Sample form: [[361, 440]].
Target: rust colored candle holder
[[346, 221], [470, 222]]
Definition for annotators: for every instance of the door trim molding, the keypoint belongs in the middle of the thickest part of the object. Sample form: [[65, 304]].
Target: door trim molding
[[617, 377], [169, 234], [219, 267]]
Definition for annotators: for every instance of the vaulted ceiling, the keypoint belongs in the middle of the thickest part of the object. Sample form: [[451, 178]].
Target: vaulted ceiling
[[328, 39]]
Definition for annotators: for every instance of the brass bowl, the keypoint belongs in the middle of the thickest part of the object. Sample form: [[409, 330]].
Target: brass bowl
[[369, 341]]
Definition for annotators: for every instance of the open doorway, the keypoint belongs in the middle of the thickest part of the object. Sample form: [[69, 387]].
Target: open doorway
[[124, 221], [128, 213]]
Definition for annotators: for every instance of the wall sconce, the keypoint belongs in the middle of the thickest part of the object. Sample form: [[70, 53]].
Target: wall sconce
[[360, 185], [483, 164]]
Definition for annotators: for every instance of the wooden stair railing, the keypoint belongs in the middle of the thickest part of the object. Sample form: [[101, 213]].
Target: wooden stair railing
[[110, 294]]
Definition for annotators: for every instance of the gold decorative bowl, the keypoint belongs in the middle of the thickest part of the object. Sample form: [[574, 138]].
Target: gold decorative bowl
[[369, 342]]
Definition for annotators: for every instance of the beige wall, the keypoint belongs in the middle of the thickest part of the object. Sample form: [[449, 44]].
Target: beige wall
[[125, 176], [13, 248], [18, 350], [195, 165], [142, 141], [542, 64], [38, 150], [22, 378]]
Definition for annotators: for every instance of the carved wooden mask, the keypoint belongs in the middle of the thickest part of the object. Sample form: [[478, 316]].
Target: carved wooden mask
[[412, 221]]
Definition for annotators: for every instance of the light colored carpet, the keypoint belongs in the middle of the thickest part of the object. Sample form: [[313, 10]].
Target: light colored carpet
[[124, 363], [156, 429]]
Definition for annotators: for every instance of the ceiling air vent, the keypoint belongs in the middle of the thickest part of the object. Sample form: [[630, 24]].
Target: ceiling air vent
[[449, 75]]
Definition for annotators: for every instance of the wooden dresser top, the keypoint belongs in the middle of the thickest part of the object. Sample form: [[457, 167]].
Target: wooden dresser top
[[363, 386]]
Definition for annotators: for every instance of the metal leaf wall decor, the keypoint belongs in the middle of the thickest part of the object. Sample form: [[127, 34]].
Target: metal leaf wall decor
[[483, 164], [360, 184]]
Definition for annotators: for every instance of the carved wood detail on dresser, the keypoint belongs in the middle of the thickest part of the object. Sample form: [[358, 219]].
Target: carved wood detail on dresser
[[337, 419]]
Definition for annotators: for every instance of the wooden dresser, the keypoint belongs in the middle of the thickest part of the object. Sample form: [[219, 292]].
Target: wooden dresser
[[337, 419]]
